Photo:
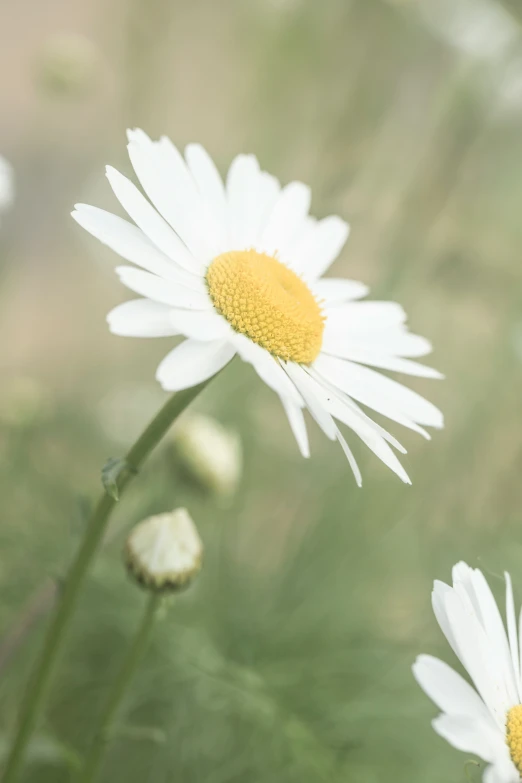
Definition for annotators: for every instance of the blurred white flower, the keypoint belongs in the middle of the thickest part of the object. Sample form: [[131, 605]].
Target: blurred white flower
[[211, 453], [164, 552], [237, 269], [6, 184], [487, 720]]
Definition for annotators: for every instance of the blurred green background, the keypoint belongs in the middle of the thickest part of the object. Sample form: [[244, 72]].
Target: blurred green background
[[289, 660]]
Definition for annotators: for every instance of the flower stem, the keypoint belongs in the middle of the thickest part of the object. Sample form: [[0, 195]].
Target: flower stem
[[117, 692], [42, 673]]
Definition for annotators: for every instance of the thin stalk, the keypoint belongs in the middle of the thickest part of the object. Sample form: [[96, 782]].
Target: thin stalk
[[42, 673], [117, 692]]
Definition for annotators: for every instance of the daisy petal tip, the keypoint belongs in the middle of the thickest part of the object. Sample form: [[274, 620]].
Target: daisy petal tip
[[161, 380], [435, 724], [416, 663], [138, 135], [416, 669], [193, 148], [113, 329]]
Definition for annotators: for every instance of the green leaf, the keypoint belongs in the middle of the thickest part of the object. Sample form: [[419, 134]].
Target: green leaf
[[110, 474]]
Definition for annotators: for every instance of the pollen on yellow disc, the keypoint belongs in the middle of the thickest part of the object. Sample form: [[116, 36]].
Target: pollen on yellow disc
[[263, 299], [514, 735]]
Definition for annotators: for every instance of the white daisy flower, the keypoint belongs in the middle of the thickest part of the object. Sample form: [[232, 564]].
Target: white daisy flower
[[6, 184], [487, 720], [237, 268]]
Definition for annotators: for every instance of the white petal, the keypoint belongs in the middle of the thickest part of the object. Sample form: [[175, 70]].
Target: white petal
[[470, 736], [141, 318], [311, 393], [397, 342], [355, 318], [317, 401], [317, 252], [151, 223], [373, 436], [379, 392], [438, 601], [165, 177], [351, 459], [336, 289], [447, 689], [489, 616], [287, 217], [193, 362], [162, 290], [393, 363], [512, 633], [132, 244], [267, 195], [242, 186], [345, 407], [392, 341], [478, 657], [298, 425], [373, 333], [202, 325], [267, 367], [294, 250], [520, 637], [207, 179], [502, 771]]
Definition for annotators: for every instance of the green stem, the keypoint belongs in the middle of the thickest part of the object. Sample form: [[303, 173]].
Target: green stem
[[40, 678], [117, 692]]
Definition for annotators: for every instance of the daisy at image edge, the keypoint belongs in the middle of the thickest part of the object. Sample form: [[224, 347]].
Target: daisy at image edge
[[237, 269], [485, 720]]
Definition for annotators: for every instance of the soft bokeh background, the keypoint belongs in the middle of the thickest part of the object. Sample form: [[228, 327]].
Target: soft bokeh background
[[290, 658]]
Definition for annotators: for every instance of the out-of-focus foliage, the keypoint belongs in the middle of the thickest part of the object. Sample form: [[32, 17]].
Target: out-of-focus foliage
[[290, 657]]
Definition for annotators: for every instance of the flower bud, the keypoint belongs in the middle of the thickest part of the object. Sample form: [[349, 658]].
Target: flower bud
[[210, 453], [163, 553]]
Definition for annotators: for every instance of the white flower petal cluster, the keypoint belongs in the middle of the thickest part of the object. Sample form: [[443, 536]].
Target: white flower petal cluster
[[237, 268], [485, 720]]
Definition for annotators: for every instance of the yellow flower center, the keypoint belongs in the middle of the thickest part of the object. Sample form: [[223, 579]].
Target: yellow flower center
[[264, 300], [514, 735]]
